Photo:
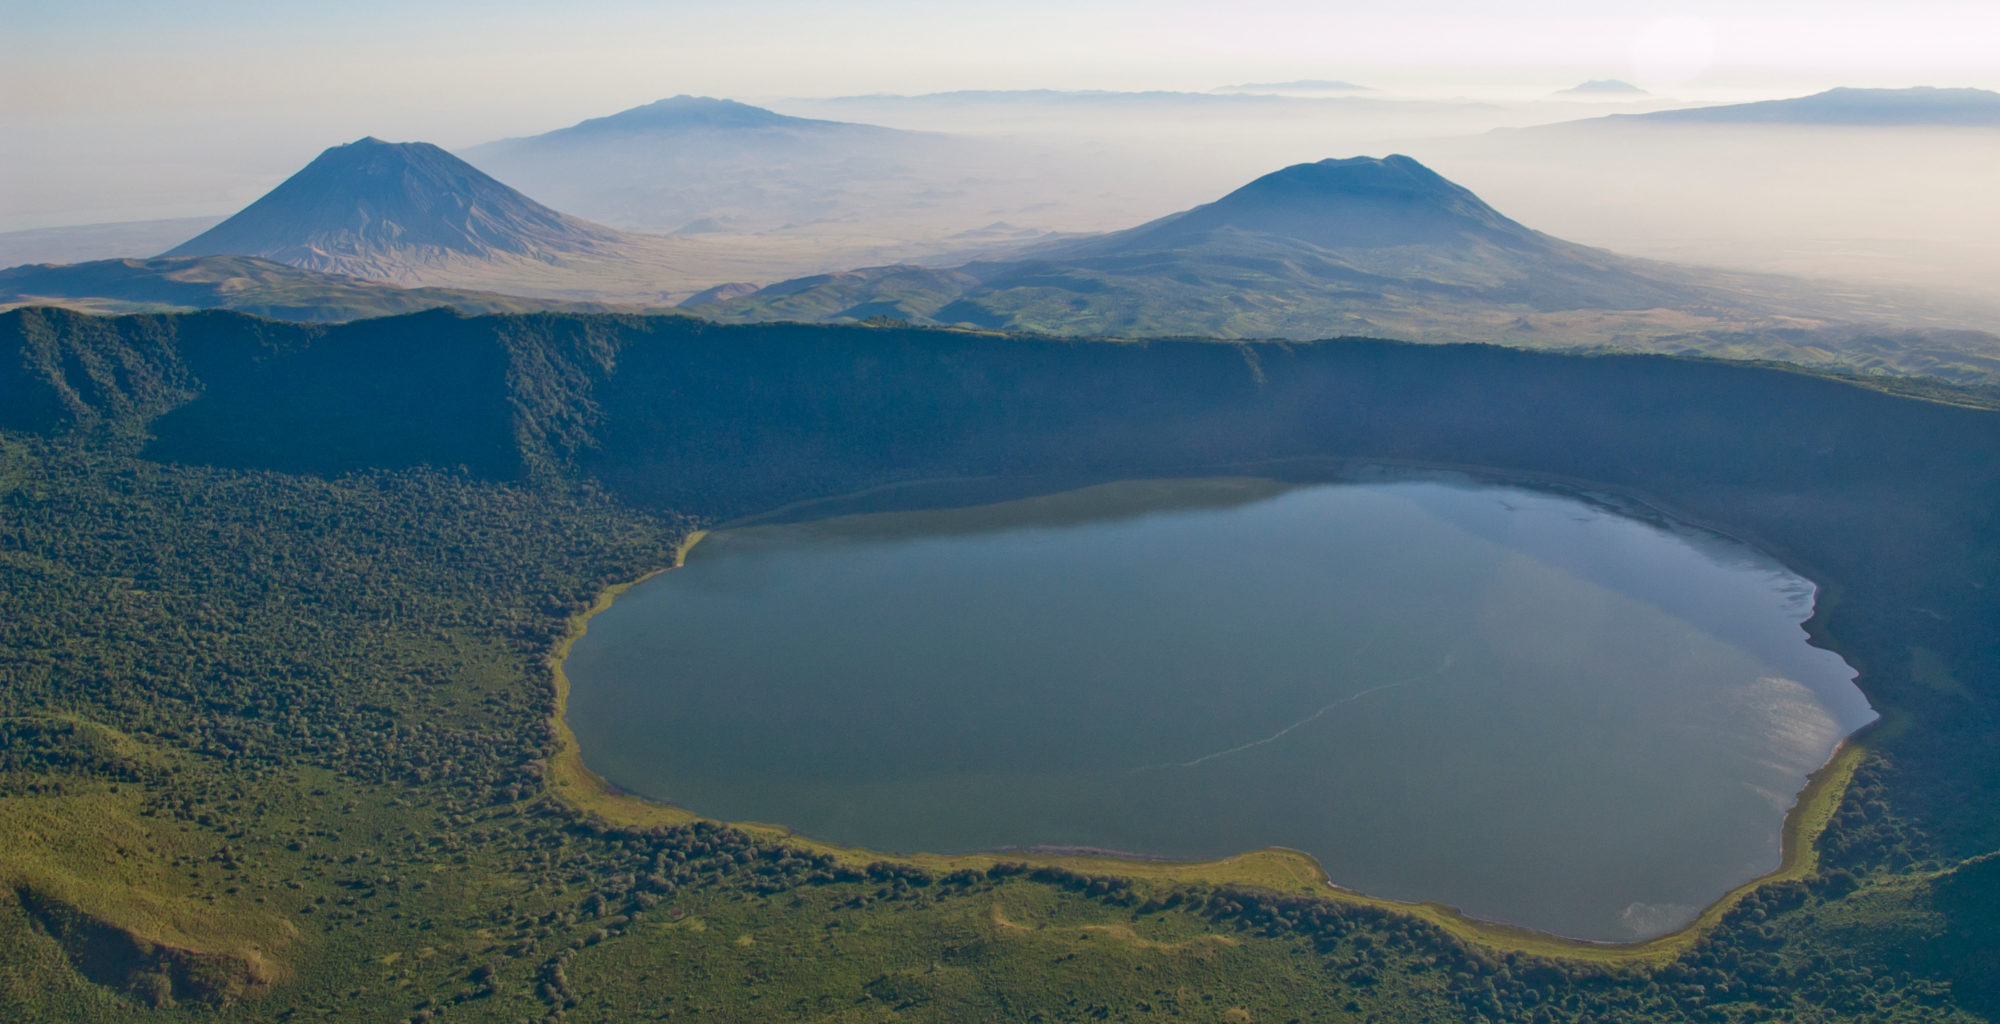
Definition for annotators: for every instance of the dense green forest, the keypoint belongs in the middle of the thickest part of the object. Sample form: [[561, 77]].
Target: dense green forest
[[278, 602]]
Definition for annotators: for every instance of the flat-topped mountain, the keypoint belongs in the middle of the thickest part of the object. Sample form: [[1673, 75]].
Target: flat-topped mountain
[[379, 209], [1923, 105], [715, 165], [682, 113]]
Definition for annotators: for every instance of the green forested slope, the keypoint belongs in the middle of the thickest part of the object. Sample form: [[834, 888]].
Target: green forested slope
[[274, 696], [246, 284]]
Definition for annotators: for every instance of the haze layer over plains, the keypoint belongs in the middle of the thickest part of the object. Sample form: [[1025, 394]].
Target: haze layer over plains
[[121, 111]]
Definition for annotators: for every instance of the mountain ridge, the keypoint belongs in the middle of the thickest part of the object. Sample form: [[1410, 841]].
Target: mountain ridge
[[1845, 107], [1298, 85]]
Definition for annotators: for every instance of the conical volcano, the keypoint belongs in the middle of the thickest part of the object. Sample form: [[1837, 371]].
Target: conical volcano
[[387, 210]]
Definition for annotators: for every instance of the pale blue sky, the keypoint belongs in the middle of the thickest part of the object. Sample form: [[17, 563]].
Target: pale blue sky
[[89, 54], [86, 83]]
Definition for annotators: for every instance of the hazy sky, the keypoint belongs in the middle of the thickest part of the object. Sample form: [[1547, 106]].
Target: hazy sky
[[90, 88]]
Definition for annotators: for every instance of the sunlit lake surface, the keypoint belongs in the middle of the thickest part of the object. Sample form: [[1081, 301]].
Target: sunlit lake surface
[[1524, 704]]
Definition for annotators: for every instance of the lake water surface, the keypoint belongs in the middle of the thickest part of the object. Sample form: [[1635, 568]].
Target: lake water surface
[[1520, 703]]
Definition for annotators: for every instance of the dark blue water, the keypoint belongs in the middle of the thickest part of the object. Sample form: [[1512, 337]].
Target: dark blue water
[[1519, 703]]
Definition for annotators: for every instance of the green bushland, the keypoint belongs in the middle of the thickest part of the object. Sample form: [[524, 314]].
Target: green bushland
[[280, 610]]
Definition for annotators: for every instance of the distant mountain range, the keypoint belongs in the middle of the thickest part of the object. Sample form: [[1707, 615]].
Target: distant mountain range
[[1305, 85], [1224, 98], [1842, 107], [1094, 123]]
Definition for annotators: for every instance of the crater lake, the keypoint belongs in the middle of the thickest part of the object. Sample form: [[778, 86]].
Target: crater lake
[[1547, 709]]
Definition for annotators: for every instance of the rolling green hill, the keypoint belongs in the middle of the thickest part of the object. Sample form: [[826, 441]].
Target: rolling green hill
[[280, 603]]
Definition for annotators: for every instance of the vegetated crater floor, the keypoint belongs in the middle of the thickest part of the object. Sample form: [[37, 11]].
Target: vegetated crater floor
[[1548, 709]]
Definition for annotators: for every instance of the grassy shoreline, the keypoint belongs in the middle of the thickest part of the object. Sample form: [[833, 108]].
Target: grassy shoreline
[[569, 780], [1276, 869]]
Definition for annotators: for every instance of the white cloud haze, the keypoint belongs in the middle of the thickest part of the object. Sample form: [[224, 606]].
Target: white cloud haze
[[122, 109]]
